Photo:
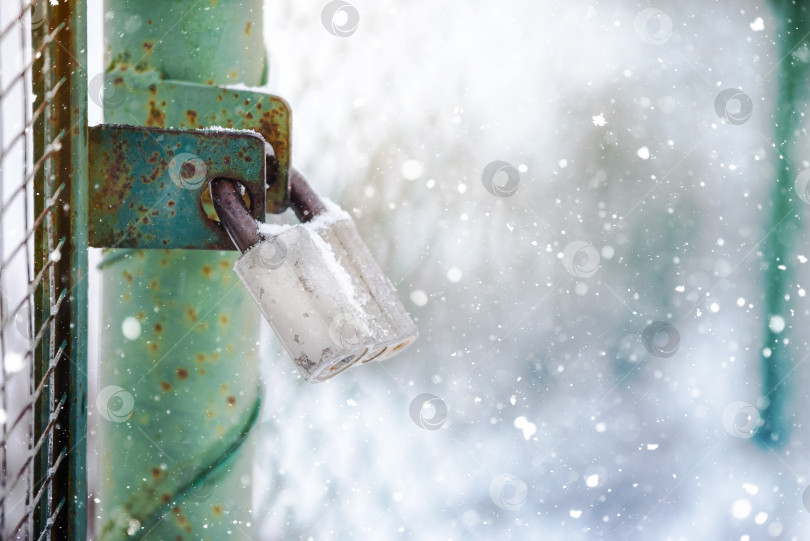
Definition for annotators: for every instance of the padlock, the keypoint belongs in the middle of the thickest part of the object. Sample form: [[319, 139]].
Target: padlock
[[391, 325], [328, 305]]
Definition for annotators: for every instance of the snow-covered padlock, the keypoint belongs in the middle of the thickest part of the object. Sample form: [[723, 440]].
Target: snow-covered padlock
[[391, 325], [329, 311]]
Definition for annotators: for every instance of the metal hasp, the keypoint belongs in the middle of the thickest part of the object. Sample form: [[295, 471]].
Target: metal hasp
[[130, 94], [146, 184]]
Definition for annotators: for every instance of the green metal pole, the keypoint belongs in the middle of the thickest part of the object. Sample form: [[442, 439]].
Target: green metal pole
[[178, 368], [780, 246]]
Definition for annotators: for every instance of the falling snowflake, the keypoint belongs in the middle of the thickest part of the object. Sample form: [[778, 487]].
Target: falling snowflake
[[599, 120]]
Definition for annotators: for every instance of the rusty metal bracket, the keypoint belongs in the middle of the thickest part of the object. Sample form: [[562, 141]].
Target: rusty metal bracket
[[142, 97], [146, 185]]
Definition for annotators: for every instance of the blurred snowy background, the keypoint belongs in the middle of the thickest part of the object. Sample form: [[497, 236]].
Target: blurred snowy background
[[635, 203]]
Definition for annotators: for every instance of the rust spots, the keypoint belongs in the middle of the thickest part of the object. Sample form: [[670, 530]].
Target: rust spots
[[149, 22], [225, 264], [156, 473], [165, 497], [201, 357], [166, 386], [156, 118], [201, 371], [207, 271], [128, 277], [231, 401], [233, 75], [164, 262], [223, 388], [217, 509], [171, 203], [191, 314], [145, 220], [223, 319], [158, 328], [153, 347], [154, 284], [209, 415], [126, 297], [247, 29], [191, 116], [147, 46], [182, 373]]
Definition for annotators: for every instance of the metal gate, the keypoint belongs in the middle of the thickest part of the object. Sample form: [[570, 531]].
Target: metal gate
[[43, 269]]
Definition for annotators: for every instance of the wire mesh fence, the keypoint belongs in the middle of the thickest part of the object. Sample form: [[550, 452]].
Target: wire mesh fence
[[36, 270]]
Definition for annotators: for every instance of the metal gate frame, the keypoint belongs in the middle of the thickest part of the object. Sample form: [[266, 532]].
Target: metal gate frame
[[55, 247], [62, 357]]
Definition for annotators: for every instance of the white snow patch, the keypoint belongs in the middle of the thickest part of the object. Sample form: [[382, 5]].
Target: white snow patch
[[411, 169], [419, 297], [13, 362], [757, 25], [131, 328], [776, 324], [599, 120], [643, 153], [332, 215], [741, 509], [528, 428]]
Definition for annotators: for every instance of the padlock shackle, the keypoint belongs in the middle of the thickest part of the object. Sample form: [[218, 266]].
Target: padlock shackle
[[304, 201], [233, 215]]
